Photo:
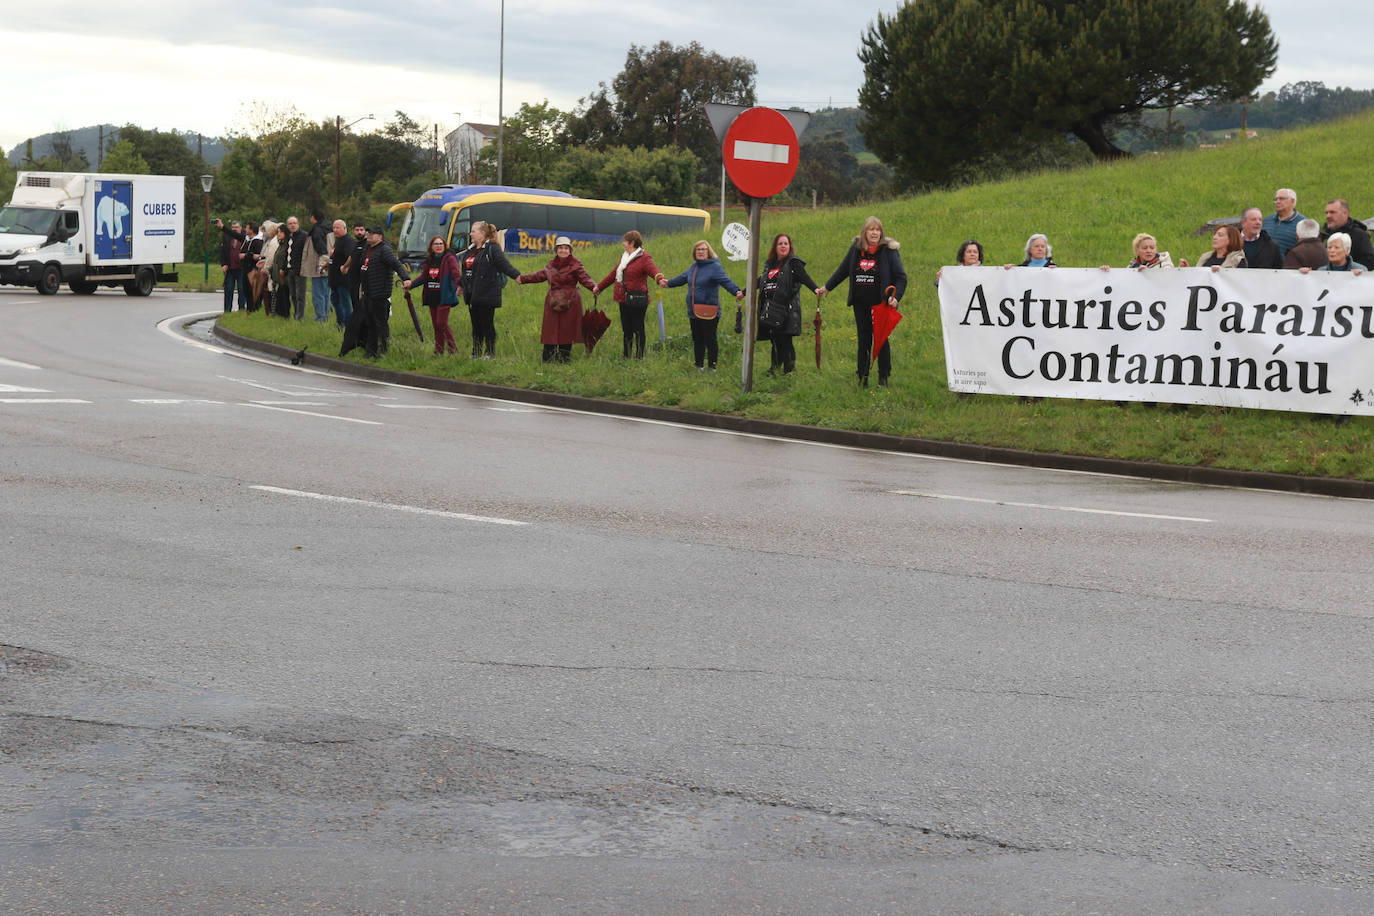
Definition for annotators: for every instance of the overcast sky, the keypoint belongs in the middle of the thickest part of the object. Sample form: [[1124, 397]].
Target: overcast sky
[[199, 66]]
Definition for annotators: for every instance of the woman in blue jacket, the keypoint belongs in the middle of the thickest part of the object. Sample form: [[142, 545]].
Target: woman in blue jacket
[[703, 280]]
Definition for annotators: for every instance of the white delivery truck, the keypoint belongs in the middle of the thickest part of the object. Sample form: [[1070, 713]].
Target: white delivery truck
[[89, 230]]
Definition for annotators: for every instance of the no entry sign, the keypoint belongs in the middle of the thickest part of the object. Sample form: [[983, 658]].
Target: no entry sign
[[760, 152]]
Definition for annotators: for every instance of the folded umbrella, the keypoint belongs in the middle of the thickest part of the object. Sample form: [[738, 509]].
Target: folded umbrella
[[594, 325], [662, 326], [414, 317], [885, 318], [817, 323]]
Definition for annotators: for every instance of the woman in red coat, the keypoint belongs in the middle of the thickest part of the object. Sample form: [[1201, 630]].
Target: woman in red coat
[[563, 305], [631, 279]]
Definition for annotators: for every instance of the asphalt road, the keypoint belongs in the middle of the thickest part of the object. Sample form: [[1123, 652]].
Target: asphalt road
[[280, 641]]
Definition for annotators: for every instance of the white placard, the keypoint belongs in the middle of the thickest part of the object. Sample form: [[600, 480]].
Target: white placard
[[735, 241], [1270, 339]]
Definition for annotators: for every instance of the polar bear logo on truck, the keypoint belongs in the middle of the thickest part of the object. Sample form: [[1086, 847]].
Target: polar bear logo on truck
[[109, 217]]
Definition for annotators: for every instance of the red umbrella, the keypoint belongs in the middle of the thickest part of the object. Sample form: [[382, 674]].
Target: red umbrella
[[817, 322], [594, 324], [885, 318]]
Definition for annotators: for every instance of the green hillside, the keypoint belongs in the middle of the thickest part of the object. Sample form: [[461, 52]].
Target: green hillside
[[1090, 215]]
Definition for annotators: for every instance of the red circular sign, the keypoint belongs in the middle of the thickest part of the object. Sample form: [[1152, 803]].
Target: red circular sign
[[760, 152]]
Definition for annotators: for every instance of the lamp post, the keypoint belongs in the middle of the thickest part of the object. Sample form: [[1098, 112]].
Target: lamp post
[[339, 128], [501, 98], [206, 181]]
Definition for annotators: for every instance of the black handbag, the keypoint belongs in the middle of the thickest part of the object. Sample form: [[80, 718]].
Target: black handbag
[[637, 298], [772, 314]]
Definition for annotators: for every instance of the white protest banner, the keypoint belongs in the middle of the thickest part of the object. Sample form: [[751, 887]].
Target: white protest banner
[[1270, 339]]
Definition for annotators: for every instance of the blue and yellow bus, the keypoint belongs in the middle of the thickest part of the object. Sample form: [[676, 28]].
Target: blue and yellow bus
[[529, 219]]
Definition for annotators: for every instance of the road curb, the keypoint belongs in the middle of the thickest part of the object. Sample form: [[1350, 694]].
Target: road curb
[[1221, 477]]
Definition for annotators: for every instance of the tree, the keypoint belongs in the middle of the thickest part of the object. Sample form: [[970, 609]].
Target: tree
[[947, 81], [124, 159], [659, 100], [662, 176], [535, 140]]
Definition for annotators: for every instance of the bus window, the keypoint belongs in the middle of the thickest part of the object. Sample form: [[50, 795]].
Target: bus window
[[530, 216], [498, 213], [572, 219], [614, 222], [422, 224], [458, 236]]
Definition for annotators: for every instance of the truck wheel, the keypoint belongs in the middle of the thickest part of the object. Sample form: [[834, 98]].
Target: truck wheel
[[49, 280], [82, 287], [142, 284]]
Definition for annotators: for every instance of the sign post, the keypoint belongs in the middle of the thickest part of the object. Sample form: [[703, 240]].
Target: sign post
[[760, 152]]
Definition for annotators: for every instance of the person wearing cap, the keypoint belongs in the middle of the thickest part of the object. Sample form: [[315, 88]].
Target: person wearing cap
[[563, 305], [376, 263]]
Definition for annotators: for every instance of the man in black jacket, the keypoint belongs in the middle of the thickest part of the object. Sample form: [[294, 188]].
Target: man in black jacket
[[231, 263], [295, 282], [375, 264], [340, 298], [1338, 220], [1260, 249]]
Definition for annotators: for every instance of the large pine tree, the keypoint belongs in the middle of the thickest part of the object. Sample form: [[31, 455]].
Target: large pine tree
[[950, 83]]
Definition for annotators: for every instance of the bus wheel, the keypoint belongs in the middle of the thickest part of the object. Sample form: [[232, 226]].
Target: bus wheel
[[142, 284], [49, 280]]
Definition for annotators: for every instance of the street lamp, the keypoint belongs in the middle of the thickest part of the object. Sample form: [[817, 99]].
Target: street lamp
[[501, 98], [339, 128], [206, 181]]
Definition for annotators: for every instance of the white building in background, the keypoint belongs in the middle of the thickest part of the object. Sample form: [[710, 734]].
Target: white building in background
[[462, 147]]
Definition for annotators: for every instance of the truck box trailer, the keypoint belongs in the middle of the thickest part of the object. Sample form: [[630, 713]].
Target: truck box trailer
[[89, 230]]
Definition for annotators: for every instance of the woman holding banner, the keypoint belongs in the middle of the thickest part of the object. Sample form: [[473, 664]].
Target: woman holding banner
[[1227, 250], [1338, 255], [873, 267], [704, 280]]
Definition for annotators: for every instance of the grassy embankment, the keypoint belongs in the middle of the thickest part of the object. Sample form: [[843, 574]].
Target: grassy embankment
[[1090, 215]]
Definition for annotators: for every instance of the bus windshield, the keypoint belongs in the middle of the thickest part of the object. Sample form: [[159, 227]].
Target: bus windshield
[[26, 221], [422, 224]]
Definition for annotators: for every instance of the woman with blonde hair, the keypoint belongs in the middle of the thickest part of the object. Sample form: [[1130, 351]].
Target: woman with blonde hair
[[703, 281], [873, 268], [483, 262]]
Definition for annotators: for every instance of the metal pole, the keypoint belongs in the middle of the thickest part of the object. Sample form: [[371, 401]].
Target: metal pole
[[722, 195], [751, 317], [338, 146], [207, 238], [501, 99]]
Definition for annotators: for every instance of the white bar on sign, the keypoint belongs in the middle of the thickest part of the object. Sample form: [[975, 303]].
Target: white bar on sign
[[761, 152]]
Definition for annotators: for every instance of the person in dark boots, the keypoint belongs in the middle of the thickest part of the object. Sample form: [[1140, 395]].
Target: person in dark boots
[[871, 266]]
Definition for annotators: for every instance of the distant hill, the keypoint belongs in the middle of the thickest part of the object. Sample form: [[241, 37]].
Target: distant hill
[[87, 139]]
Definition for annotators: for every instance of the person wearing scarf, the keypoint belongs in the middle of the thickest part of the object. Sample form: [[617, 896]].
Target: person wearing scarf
[[631, 280], [562, 325]]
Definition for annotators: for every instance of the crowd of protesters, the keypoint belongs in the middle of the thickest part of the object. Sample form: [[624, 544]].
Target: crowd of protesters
[[267, 267]]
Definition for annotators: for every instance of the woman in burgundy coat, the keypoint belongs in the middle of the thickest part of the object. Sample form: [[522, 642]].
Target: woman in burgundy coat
[[631, 279], [563, 305]]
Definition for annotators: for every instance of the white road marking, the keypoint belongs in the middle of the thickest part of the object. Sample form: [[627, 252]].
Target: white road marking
[[1002, 502], [42, 401], [20, 389], [419, 407], [417, 510], [172, 401], [292, 403], [16, 364], [311, 413], [170, 326]]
